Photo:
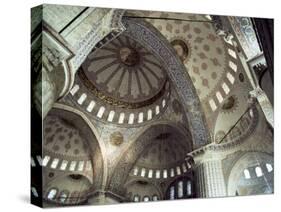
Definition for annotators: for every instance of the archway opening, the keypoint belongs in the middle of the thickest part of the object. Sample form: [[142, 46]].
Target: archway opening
[[252, 174], [71, 159]]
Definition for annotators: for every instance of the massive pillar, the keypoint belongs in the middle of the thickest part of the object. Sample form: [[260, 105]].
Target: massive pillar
[[209, 179]]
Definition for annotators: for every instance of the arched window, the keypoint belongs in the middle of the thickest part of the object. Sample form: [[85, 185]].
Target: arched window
[[247, 174], [82, 99], [45, 160], [55, 163], [143, 172], [178, 170], [140, 120], [172, 173], [52, 193], [258, 171], [121, 118], [157, 109], [230, 77], [72, 165], [131, 118], [180, 189], [91, 106], [219, 97], [63, 196], [188, 188], [135, 171], [225, 88], [155, 198], [269, 167], [146, 199], [111, 116], [74, 90], [63, 165], [80, 166], [188, 165], [149, 114], [251, 113], [150, 173], [100, 112], [136, 198], [212, 104], [172, 192], [183, 168], [163, 103], [157, 174], [165, 175]]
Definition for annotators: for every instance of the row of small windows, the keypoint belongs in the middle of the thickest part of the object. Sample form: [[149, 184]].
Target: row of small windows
[[52, 195], [143, 172], [121, 119], [137, 198], [63, 164], [258, 171], [218, 99], [182, 189]]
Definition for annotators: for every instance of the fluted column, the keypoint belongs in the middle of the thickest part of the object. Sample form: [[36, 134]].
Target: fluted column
[[209, 179]]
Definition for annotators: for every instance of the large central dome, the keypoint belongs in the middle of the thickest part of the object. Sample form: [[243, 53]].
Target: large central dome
[[125, 70]]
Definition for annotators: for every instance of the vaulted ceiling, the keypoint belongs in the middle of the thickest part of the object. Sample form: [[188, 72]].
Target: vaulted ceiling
[[125, 70]]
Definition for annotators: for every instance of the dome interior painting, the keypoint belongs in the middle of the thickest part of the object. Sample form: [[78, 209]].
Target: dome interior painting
[[125, 70], [139, 106]]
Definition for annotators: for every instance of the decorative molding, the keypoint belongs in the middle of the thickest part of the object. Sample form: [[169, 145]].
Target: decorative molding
[[148, 36], [232, 142], [116, 102]]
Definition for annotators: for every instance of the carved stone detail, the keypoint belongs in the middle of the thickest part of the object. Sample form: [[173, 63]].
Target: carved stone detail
[[153, 40]]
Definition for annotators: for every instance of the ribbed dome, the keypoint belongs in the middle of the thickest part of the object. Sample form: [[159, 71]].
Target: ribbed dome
[[125, 70]]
